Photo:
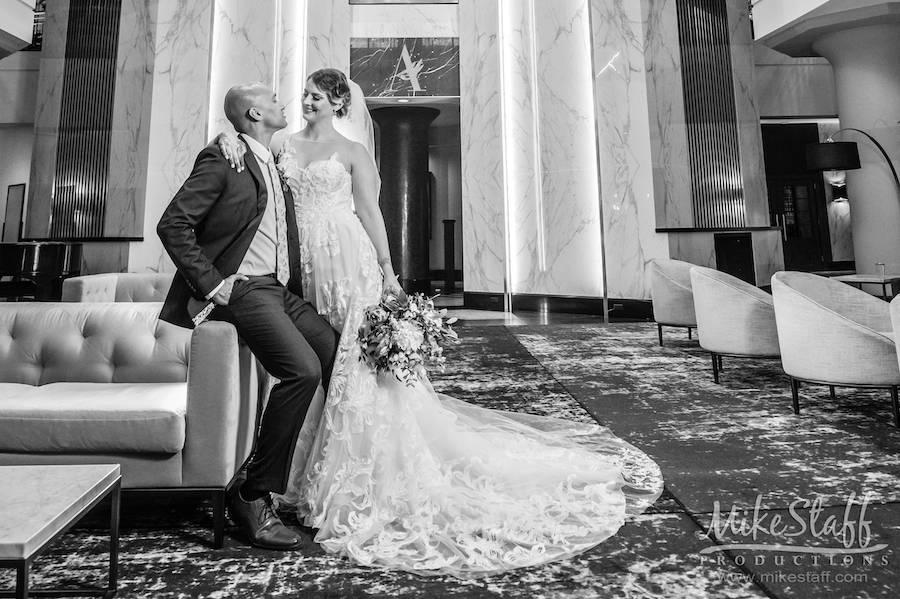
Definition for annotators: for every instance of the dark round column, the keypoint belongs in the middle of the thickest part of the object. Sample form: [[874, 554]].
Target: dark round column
[[405, 203]]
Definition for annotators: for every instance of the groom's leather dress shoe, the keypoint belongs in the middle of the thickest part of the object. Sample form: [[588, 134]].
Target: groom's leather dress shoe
[[262, 526]]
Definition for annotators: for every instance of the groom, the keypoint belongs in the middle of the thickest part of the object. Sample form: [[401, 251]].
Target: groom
[[233, 238]]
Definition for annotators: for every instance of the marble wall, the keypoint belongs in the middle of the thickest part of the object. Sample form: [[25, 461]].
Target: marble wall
[[481, 129], [531, 212], [572, 130], [568, 258], [753, 170], [219, 44], [179, 115], [404, 20], [654, 52], [244, 50], [46, 120], [630, 130], [328, 35], [292, 52], [124, 215]]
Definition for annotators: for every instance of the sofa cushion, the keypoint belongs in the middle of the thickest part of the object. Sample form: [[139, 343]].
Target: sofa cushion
[[44, 342], [93, 417]]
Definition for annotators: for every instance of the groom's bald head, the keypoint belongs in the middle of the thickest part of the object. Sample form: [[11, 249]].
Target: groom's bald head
[[239, 100]]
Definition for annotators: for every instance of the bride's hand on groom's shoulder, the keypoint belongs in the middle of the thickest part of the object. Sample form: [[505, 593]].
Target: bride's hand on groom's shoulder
[[232, 149]]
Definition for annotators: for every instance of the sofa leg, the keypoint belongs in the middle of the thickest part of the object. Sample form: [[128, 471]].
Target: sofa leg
[[659, 328], [218, 501], [716, 364], [795, 393], [831, 390], [896, 403], [689, 333]]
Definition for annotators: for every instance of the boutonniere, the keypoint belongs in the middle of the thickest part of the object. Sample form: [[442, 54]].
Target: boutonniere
[[285, 162]]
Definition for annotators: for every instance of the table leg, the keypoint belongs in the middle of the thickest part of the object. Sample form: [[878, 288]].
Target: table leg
[[22, 571], [116, 497]]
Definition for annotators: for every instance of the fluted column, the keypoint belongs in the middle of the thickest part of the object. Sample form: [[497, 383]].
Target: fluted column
[[404, 190], [867, 86]]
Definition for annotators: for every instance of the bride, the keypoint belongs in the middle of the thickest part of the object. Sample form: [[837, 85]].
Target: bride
[[402, 477]]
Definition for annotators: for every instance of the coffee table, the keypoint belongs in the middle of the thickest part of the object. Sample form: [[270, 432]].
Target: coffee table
[[40, 503], [859, 279]]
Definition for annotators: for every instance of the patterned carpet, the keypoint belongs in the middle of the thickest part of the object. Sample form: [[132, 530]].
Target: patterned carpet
[[735, 445]]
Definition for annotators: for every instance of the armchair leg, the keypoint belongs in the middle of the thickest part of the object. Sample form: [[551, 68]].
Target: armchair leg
[[715, 364], [795, 393], [831, 389], [659, 328], [218, 501], [896, 404], [689, 333]]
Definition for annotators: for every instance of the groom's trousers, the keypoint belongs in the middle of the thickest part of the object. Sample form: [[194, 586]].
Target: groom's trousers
[[295, 345]]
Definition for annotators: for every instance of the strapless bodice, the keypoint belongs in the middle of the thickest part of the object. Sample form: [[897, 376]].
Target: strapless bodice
[[322, 186]]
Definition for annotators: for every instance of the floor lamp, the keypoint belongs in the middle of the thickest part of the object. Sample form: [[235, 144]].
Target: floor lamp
[[842, 155]]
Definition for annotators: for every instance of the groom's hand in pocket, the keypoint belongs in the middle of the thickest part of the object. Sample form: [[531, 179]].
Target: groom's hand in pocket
[[223, 295]]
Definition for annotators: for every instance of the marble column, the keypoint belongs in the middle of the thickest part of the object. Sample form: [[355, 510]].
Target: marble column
[[405, 202], [867, 86]]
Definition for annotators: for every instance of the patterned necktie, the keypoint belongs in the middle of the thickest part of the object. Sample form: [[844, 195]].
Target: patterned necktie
[[282, 270]]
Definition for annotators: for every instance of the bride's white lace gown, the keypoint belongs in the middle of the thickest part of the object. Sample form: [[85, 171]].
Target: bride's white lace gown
[[402, 477]]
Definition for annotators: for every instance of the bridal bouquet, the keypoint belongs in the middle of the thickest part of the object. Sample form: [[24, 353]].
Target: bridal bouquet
[[402, 338]]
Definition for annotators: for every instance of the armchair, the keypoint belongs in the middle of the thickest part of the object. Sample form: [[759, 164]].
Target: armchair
[[834, 334], [672, 296], [734, 318]]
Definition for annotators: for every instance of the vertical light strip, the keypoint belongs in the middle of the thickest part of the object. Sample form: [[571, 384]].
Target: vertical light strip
[[597, 136], [213, 67], [276, 54], [301, 27], [536, 139], [506, 143]]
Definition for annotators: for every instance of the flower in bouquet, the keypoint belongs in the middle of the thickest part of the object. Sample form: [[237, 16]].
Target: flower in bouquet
[[401, 339]]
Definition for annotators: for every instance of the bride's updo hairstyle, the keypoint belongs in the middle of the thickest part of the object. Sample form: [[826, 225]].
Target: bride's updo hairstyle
[[334, 83]]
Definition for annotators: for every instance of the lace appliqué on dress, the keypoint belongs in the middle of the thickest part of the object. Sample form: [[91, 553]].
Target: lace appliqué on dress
[[402, 477]]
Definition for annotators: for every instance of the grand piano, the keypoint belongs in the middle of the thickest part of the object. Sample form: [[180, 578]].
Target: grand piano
[[37, 268]]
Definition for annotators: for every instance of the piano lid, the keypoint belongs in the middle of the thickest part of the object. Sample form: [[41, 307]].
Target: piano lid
[[44, 259]]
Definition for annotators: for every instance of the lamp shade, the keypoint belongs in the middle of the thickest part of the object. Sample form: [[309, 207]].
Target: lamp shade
[[832, 156]]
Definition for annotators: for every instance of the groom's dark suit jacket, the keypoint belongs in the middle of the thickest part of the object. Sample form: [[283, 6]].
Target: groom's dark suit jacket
[[208, 226]]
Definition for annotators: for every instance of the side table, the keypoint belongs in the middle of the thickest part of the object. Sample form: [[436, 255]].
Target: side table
[[40, 503], [886, 281]]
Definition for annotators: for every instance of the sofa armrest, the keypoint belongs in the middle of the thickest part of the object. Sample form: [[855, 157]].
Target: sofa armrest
[[90, 288], [222, 405]]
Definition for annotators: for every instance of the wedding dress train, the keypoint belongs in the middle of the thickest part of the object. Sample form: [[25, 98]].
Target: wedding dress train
[[403, 477]]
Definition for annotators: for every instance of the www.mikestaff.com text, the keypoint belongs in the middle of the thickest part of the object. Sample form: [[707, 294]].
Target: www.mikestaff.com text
[[792, 577]]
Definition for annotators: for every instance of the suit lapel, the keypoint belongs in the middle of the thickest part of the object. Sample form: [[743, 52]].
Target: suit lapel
[[255, 170]]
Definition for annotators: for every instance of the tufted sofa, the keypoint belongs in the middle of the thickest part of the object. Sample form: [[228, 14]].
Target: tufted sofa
[[110, 383], [118, 287]]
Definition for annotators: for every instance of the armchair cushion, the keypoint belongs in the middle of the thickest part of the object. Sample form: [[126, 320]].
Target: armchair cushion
[[93, 417]]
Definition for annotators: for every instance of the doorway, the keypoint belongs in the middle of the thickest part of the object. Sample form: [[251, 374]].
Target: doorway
[[796, 196]]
